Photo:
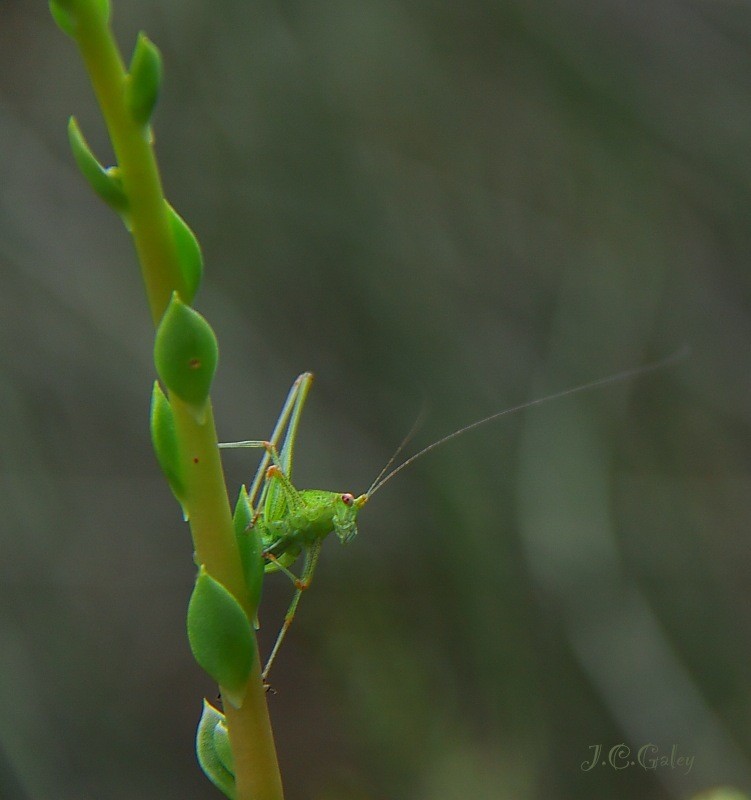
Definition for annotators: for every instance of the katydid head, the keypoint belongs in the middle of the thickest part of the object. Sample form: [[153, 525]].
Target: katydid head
[[346, 508]]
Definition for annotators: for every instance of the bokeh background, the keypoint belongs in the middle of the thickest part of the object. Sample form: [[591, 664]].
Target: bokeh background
[[459, 206]]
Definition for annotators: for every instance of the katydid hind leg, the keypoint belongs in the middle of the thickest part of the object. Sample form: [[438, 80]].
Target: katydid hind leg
[[271, 498], [287, 450], [281, 495], [285, 430], [278, 492]]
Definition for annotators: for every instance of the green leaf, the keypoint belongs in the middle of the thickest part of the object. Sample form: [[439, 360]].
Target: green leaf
[[222, 745], [62, 16], [220, 637], [106, 183], [251, 548], [207, 751], [144, 79], [67, 13], [186, 354], [188, 253], [164, 440]]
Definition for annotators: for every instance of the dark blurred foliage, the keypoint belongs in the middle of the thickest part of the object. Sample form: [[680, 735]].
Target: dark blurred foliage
[[462, 205]]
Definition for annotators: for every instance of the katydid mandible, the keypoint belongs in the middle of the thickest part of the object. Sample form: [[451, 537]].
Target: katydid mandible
[[292, 522]]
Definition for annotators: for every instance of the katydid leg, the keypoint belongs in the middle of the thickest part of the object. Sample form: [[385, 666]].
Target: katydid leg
[[311, 559], [278, 489], [285, 431], [283, 569], [269, 498]]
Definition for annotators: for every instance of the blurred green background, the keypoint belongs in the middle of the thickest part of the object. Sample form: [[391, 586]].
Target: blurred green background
[[464, 205]]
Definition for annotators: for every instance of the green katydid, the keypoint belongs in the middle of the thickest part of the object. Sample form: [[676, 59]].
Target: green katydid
[[292, 522]]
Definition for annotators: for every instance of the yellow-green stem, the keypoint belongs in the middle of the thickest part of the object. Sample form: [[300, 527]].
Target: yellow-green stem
[[138, 168], [206, 500], [256, 769], [252, 742], [256, 772]]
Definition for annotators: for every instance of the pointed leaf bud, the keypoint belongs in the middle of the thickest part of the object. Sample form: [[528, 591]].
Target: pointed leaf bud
[[164, 440], [220, 636], [188, 253], [206, 750], [251, 549], [222, 745], [66, 13], [144, 79], [63, 17], [106, 183], [186, 354]]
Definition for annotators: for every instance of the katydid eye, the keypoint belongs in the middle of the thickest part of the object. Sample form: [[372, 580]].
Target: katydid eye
[[348, 499]]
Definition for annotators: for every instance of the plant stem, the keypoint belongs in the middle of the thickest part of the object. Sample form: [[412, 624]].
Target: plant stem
[[256, 769], [135, 157]]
